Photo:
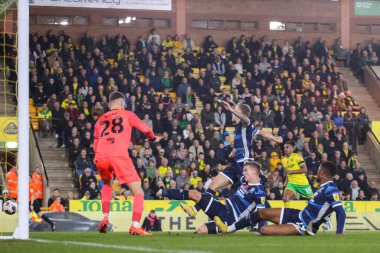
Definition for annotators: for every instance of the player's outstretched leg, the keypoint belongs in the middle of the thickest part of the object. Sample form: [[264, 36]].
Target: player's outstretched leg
[[106, 202], [250, 220], [283, 229], [137, 209], [218, 182]]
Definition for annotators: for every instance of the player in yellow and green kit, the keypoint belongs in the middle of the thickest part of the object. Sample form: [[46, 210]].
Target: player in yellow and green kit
[[295, 169]]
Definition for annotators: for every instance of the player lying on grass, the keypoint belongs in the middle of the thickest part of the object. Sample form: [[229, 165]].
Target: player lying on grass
[[112, 137], [244, 132], [289, 221], [249, 196]]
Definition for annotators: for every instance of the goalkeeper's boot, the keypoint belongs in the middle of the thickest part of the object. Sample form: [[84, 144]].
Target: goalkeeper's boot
[[223, 228], [190, 210], [138, 231], [103, 225]]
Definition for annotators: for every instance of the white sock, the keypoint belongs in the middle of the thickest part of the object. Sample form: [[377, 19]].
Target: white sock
[[231, 228], [135, 224]]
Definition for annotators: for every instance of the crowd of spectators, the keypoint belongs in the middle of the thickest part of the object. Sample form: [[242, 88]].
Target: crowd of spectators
[[175, 87]]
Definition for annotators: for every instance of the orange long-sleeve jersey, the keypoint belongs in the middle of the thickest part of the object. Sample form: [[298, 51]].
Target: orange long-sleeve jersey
[[113, 130]]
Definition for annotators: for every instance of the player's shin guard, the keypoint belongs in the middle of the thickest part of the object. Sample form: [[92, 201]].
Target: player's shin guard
[[137, 209], [178, 194], [106, 199]]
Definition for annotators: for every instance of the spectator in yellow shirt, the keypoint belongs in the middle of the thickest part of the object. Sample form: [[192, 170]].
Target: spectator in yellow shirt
[[45, 117], [177, 45], [167, 44], [67, 101], [194, 179], [164, 168], [274, 160]]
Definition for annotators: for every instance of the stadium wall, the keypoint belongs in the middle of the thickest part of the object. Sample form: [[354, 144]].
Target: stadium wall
[[361, 215], [315, 19]]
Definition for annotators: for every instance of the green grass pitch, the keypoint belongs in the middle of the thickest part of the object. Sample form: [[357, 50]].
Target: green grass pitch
[[358, 242]]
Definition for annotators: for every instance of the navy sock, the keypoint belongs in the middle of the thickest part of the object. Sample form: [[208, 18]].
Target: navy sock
[[250, 220], [243, 223], [209, 191], [262, 223], [197, 207], [178, 194]]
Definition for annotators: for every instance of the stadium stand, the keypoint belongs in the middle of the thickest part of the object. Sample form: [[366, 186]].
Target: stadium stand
[[296, 91]]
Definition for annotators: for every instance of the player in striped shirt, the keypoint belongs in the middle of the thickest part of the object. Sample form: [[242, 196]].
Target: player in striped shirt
[[288, 221], [244, 132]]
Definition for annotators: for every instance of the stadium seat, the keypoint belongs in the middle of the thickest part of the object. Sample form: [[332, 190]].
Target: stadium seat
[[222, 79], [116, 187], [307, 139], [173, 95], [195, 70], [230, 130], [142, 78], [220, 49], [31, 102], [32, 110], [35, 124], [138, 147], [268, 130], [193, 111], [111, 61]]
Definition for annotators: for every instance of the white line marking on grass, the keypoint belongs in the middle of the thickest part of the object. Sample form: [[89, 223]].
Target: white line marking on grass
[[121, 247]]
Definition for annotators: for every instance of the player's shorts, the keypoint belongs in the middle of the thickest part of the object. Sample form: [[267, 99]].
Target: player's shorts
[[36, 207], [122, 167], [291, 216], [305, 191], [214, 208], [233, 172]]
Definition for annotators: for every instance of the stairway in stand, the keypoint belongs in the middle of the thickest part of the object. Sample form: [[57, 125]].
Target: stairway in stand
[[364, 98], [57, 166]]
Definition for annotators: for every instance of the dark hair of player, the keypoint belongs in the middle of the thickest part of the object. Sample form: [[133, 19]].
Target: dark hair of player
[[245, 109], [291, 143], [115, 95], [329, 167]]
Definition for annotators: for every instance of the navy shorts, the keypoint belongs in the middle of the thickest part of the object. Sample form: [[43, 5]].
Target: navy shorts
[[233, 172], [291, 216], [214, 208]]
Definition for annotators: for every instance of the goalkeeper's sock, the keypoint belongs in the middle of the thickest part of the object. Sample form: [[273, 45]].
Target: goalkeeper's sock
[[178, 194], [106, 199], [45, 218], [137, 209]]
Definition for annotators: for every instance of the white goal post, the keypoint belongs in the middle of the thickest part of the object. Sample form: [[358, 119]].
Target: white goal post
[[22, 230]]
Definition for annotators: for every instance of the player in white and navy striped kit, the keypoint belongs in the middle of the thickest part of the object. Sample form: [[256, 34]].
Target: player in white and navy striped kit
[[288, 221], [244, 132]]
